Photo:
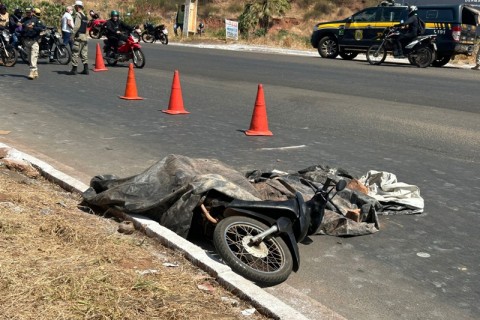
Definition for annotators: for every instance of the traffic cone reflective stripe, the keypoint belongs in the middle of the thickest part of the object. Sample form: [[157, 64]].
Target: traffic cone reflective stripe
[[99, 64], [259, 123], [175, 106], [131, 87]]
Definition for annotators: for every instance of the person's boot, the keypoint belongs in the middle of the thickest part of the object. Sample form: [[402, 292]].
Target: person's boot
[[35, 74], [31, 75], [73, 71], [85, 69]]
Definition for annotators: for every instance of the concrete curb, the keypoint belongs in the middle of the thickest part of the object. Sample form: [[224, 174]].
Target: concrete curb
[[263, 301]]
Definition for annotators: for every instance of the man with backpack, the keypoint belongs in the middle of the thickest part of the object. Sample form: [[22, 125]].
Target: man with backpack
[[413, 27]]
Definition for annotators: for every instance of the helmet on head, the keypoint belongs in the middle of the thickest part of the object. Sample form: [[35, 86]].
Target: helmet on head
[[37, 12], [18, 12], [78, 3], [412, 9], [114, 13]]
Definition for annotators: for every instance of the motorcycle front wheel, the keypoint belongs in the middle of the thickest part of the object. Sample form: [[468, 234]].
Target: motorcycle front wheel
[[9, 58], [147, 37], [268, 263], [423, 57], [376, 54], [94, 33], [164, 40], [62, 54], [138, 58]]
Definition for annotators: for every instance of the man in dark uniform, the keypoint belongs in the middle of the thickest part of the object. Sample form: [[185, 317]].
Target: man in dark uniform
[[15, 25], [115, 30], [31, 29], [411, 27], [80, 47]]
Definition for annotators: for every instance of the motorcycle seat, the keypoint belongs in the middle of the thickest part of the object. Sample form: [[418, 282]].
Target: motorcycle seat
[[290, 205]]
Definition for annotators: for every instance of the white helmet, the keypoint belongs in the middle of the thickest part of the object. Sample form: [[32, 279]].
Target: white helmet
[[412, 9], [79, 3]]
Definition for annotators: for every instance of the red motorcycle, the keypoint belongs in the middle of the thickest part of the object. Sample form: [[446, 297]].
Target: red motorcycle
[[130, 49], [96, 28]]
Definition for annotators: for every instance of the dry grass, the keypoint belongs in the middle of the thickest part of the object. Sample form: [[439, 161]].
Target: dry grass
[[58, 262]]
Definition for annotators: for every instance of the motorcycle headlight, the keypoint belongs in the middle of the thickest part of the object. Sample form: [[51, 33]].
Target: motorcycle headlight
[[165, 31], [58, 35]]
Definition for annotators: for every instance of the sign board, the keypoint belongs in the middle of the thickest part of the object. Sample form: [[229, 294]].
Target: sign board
[[231, 29]]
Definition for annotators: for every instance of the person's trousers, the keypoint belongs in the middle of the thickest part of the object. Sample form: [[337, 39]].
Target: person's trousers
[[67, 39], [32, 48], [79, 50]]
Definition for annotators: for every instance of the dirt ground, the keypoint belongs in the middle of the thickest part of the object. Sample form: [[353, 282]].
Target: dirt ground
[[59, 262]]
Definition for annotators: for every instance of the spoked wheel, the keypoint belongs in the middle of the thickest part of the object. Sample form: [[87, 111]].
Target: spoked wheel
[[94, 33], [423, 57], [268, 263], [147, 37], [376, 54], [138, 58], [62, 54], [164, 40], [9, 58], [328, 47]]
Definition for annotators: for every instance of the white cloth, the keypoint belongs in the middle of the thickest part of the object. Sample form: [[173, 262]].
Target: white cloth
[[66, 27], [384, 187]]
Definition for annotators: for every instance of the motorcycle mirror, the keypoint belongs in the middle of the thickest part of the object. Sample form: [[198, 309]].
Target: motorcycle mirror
[[341, 185]]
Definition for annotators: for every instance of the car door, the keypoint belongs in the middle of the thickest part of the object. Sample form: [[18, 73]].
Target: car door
[[360, 29]]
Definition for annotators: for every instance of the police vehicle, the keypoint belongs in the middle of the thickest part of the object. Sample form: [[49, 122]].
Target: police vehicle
[[454, 24]]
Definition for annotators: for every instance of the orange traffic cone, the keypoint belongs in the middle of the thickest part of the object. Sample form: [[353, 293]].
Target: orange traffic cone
[[259, 123], [99, 64], [175, 106], [131, 87]]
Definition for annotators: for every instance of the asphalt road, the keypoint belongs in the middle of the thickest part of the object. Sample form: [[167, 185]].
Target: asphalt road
[[421, 124]]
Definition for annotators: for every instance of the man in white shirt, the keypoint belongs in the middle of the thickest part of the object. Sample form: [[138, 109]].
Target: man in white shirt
[[67, 26]]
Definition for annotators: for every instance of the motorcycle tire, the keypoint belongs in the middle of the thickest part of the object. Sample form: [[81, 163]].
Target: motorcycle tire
[[11, 59], [268, 263], [164, 40], [138, 58], [423, 57], [147, 37], [376, 54], [62, 54], [94, 33]]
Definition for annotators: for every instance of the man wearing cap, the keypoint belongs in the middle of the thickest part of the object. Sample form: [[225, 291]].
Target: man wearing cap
[[80, 48], [67, 27], [31, 28]]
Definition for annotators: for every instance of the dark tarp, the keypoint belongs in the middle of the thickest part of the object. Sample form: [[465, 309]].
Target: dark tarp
[[171, 189]]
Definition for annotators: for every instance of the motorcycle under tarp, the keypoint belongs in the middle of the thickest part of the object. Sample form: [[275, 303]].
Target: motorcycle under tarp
[[170, 190]]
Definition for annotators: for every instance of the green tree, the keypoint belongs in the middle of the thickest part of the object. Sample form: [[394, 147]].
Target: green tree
[[260, 12]]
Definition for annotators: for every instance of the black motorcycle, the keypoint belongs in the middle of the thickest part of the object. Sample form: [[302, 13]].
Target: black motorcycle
[[258, 239], [51, 47], [152, 33], [421, 51], [8, 53]]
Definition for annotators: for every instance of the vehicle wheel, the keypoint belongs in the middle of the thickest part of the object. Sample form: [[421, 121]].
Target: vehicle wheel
[[328, 47], [63, 54], [423, 57], [24, 55], [376, 54], [111, 61], [164, 39], [147, 37], [440, 61], [348, 55], [268, 263], [94, 33], [9, 58], [138, 58]]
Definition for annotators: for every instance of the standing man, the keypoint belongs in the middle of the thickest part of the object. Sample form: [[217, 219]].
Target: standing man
[[15, 26], [31, 28], [67, 27], [80, 48], [179, 20], [4, 17]]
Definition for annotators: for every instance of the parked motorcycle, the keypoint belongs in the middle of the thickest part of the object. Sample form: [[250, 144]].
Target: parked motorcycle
[[96, 28], [51, 47], [130, 49], [421, 51], [7, 51], [152, 33], [258, 239]]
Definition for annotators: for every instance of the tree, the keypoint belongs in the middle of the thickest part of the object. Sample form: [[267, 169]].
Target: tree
[[260, 12]]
